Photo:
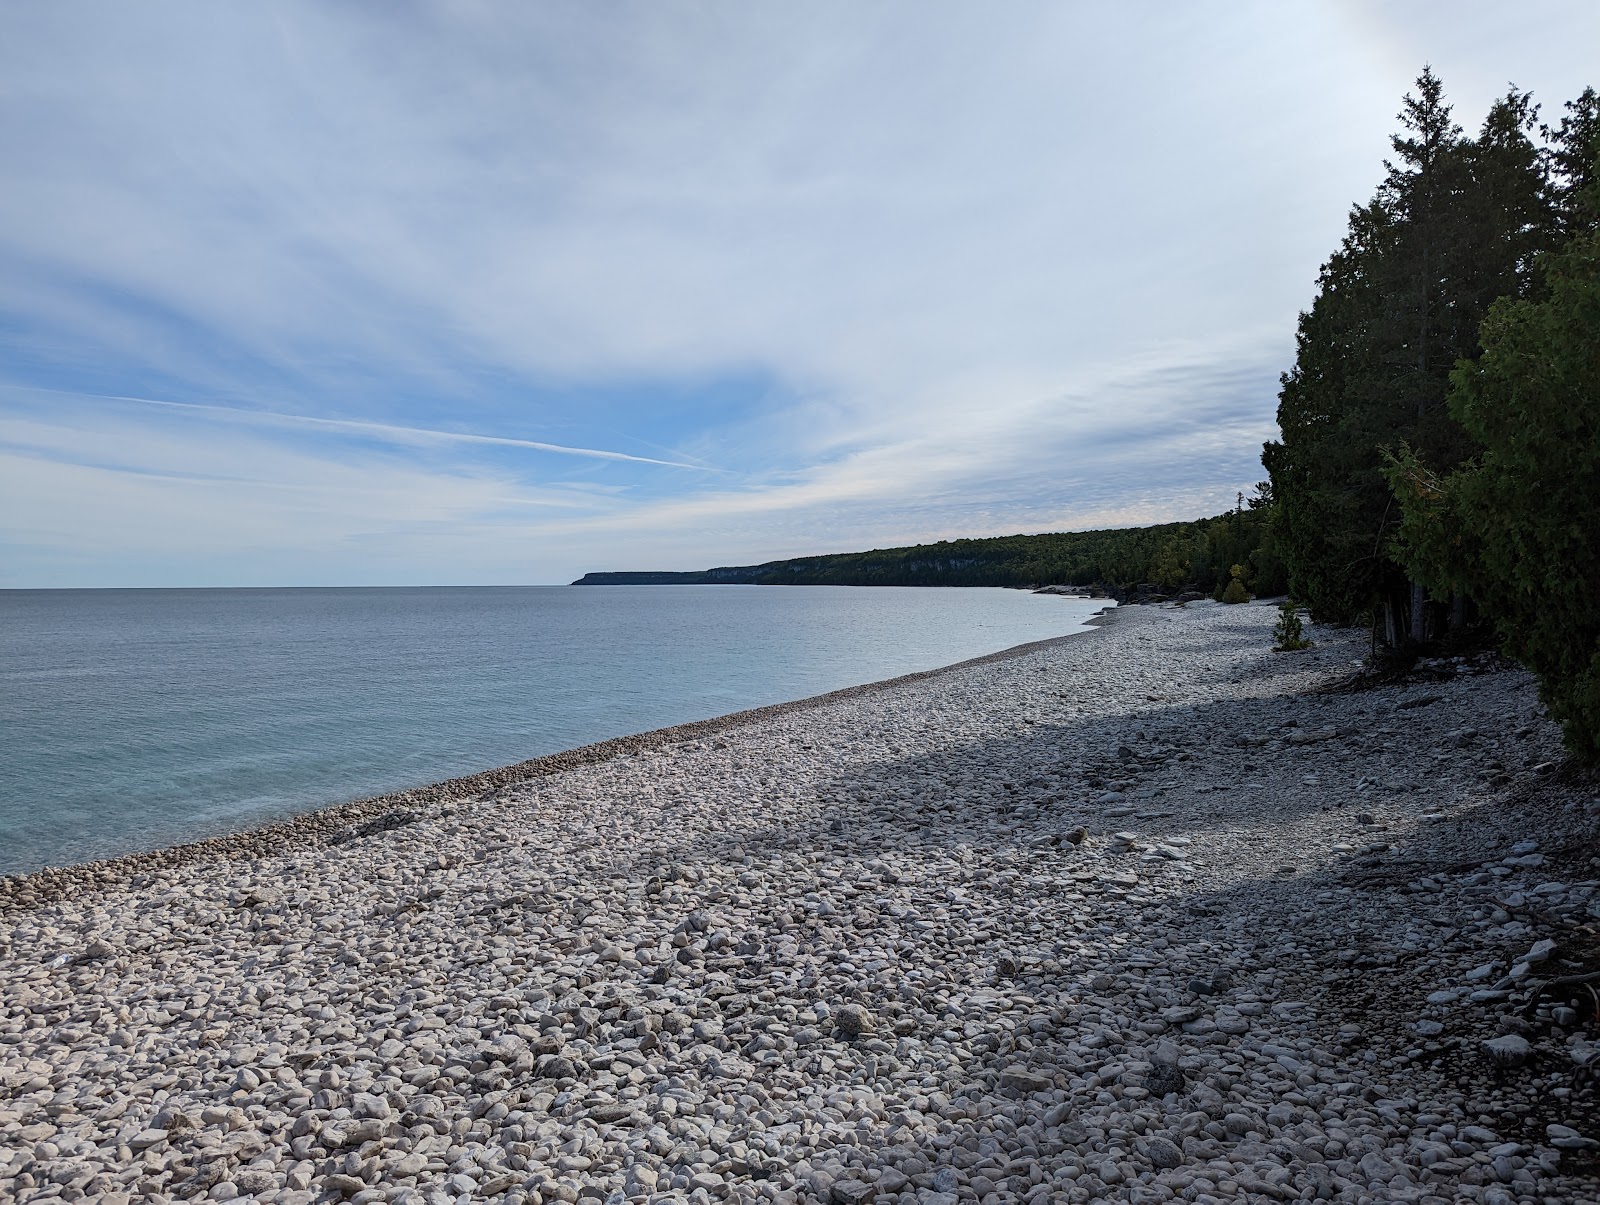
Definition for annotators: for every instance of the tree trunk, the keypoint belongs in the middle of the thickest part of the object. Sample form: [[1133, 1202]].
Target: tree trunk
[[1419, 614], [1390, 636], [1458, 613]]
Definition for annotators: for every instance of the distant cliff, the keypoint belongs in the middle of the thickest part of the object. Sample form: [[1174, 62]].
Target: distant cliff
[[1171, 556]]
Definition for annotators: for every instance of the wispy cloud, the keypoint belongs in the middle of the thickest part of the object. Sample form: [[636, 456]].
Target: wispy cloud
[[391, 431], [761, 280]]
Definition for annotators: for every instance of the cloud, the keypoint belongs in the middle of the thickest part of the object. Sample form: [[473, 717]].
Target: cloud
[[392, 432], [893, 272], [170, 506]]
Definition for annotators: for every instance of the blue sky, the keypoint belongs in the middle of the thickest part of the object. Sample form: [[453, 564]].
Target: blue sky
[[470, 292]]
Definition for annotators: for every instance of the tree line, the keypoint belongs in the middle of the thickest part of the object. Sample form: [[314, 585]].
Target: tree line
[[1440, 452], [1168, 558]]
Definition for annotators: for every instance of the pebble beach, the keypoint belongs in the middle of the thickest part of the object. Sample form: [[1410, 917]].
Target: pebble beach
[[1149, 913]]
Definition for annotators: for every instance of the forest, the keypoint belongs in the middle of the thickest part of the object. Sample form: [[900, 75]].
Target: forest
[[1166, 559], [1439, 462]]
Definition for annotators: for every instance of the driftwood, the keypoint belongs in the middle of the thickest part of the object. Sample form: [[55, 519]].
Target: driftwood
[[1581, 992]]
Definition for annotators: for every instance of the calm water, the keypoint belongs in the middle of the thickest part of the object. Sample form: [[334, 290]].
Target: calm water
[[132, 719]]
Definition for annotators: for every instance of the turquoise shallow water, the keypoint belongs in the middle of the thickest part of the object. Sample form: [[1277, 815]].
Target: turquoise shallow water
[[133, 719]]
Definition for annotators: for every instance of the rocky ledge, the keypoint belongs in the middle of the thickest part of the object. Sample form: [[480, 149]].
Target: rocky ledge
[[1148, 914]]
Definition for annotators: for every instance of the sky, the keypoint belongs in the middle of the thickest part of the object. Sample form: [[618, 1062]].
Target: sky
[[433, 293]]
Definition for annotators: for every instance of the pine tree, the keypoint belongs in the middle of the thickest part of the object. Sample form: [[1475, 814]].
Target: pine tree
[[1509, 214], [1455, 223], [1574, 158], [1516, 526], [1421, 334], [1363, 355], [1288, 634], [1325, 517]]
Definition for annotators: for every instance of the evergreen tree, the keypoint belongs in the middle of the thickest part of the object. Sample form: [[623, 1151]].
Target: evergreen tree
[[1425, 326], [1508, 213], [1367, 373], [1335, 407], [1575, 165], [1455, 224], [1515, 527]]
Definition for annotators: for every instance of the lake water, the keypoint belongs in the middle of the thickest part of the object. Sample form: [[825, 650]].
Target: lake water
[[133, 719]]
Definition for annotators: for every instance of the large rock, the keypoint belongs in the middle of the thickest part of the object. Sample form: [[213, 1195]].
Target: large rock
[[1025, 1079], [556, 1066], [1161, 1151], [852, 1020], [1507, 1052]]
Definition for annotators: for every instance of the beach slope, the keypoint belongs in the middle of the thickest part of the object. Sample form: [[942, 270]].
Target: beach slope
[[1143, 914]]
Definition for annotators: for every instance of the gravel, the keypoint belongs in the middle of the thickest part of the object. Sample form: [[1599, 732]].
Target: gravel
[[1144, 914]]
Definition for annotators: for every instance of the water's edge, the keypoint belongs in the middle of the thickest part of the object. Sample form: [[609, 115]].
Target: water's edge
[[342, 821]]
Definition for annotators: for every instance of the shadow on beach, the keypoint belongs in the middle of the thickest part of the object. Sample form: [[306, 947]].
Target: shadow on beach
[[1226, 945]]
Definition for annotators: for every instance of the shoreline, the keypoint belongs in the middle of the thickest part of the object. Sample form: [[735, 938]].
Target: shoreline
[[1150, 917], [322, 825]]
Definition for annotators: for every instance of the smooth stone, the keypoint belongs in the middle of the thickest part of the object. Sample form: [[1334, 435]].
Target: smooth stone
[[1509, 1051]]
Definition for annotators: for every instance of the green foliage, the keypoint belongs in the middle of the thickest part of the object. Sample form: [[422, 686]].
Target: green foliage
[[1427, 538], [1267, 572], [1441, 424], [1288, 634], [1455, 224], [1170, 556], [1235, 592], [1515, 527], [1575, 165]]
